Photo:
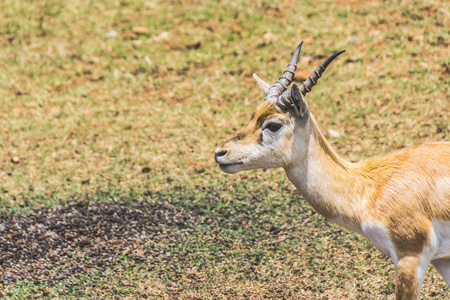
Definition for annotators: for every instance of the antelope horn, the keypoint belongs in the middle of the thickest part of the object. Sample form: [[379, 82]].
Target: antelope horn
[[309, 83], [285, 100], [264, 86], [282, 84]]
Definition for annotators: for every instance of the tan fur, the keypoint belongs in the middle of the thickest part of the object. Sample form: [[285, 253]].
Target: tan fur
[[407, 282], [402, 198], [403, 192]]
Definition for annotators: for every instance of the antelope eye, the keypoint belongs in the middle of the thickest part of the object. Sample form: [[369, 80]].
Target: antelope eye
[[273, 126]]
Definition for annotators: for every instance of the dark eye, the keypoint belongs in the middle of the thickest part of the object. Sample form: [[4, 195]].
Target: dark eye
[[273, 126]]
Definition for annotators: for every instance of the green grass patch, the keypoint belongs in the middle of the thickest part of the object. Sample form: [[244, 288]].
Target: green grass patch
[[93, 107]]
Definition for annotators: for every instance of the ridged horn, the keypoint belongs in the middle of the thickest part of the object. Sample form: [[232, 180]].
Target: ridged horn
[[282, 84], [286, 99], [309, 83]]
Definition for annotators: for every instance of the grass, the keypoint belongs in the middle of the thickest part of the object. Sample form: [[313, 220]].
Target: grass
[[138, 116]]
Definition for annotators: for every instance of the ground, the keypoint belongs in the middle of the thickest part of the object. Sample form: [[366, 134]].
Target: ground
[[110, 112]]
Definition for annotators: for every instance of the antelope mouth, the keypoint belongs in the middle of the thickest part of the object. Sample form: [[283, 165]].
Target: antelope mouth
[[232, 164], [231, 168]]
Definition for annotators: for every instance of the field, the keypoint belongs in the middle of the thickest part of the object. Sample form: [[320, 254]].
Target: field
[[110, 112]]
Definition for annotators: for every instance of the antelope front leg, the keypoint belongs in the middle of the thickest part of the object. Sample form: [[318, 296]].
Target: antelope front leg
[[410, 273]]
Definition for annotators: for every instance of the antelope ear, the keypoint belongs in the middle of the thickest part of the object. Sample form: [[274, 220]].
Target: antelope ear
[[264, 87], [298, 100]]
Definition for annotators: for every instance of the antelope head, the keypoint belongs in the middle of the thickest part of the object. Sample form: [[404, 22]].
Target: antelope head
[[278, 132]]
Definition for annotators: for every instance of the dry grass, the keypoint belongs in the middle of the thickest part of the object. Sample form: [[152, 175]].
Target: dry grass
[[83, 113]]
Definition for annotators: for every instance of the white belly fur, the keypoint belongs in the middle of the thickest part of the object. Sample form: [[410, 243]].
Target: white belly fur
[[378, 234], [438, 246], [440, 239]]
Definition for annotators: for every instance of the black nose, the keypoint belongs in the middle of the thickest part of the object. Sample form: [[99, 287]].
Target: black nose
[[221, 153]]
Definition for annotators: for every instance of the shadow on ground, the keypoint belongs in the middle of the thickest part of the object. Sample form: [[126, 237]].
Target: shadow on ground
[[206, 242], [57, 243]]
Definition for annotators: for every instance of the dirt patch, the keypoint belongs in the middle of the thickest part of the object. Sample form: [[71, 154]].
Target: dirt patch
[[58, 243]]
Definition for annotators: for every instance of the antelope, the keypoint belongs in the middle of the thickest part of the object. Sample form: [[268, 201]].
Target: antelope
[[400, 202]]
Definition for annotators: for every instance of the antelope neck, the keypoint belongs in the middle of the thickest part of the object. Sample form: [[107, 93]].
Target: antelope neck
[[334, 187]]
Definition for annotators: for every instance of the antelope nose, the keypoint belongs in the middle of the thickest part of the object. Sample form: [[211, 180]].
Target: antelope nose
[[220, 153]]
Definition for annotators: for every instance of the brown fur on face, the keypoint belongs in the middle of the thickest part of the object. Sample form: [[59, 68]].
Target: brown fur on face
[[252, 133], [258, 146]]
